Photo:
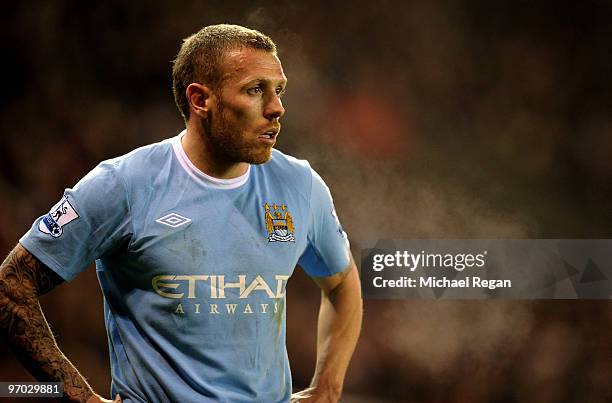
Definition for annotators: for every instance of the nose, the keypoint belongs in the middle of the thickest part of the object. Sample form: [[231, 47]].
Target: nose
[[273, 109]]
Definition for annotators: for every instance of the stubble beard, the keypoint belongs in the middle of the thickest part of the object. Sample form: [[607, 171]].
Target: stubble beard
[[229, 145]]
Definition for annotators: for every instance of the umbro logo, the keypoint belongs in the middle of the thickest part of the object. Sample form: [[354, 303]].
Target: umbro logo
[[173, 220]]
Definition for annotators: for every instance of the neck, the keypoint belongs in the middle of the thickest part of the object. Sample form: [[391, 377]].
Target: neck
[[202, 154]]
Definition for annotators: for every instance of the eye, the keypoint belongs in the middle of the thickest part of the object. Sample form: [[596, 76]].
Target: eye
[[255, 90], [280, 91]]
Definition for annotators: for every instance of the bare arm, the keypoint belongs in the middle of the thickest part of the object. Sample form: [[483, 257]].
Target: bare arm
[[338, 329], [23, 278]]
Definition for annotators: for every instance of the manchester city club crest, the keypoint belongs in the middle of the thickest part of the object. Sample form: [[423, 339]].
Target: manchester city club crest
[[279, 223]]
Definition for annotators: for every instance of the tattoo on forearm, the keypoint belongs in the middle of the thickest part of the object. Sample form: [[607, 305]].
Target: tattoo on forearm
[[23, 278]]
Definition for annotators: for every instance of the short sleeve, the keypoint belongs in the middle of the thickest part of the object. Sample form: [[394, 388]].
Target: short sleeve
[[327, 252], [89, 221]]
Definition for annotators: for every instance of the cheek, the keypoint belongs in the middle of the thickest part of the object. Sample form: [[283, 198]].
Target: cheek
[[242, 112]]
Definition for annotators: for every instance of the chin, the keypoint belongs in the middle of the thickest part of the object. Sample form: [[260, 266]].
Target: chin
[[260, 157]]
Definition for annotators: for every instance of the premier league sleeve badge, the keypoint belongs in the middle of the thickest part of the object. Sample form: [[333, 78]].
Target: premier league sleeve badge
[[61, 214]]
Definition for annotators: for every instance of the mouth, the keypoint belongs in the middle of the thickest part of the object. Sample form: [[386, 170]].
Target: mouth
[[269, 137]]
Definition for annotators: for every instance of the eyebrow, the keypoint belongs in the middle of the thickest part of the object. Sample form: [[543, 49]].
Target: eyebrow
[[282, 82]]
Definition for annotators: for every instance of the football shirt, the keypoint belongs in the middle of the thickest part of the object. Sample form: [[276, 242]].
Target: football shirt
[[193, 269]]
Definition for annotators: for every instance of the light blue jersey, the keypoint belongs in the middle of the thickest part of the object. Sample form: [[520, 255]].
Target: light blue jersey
[[194, 268]]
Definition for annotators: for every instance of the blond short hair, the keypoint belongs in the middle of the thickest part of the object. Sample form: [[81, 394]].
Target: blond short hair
[[201, 54]]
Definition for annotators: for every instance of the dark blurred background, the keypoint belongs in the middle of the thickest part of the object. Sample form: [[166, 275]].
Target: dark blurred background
[[427, 119]]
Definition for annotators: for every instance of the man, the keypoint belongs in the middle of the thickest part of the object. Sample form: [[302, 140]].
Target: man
[[194, 240]]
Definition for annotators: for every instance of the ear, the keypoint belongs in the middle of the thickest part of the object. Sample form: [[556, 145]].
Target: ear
[[200, 99]]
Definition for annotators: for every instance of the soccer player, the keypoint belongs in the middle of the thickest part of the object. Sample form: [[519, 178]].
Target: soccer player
[[194, 240]]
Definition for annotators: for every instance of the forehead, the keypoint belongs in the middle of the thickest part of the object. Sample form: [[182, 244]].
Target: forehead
[[242, 65]]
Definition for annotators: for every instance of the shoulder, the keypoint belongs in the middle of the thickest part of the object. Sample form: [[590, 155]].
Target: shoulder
[[288, 170], [138, 164], [298, 169], [297, 174], [287, 165], [143, 156], [285, 172]]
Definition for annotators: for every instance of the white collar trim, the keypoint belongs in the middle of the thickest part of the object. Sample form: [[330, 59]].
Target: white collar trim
[[201, 177]]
